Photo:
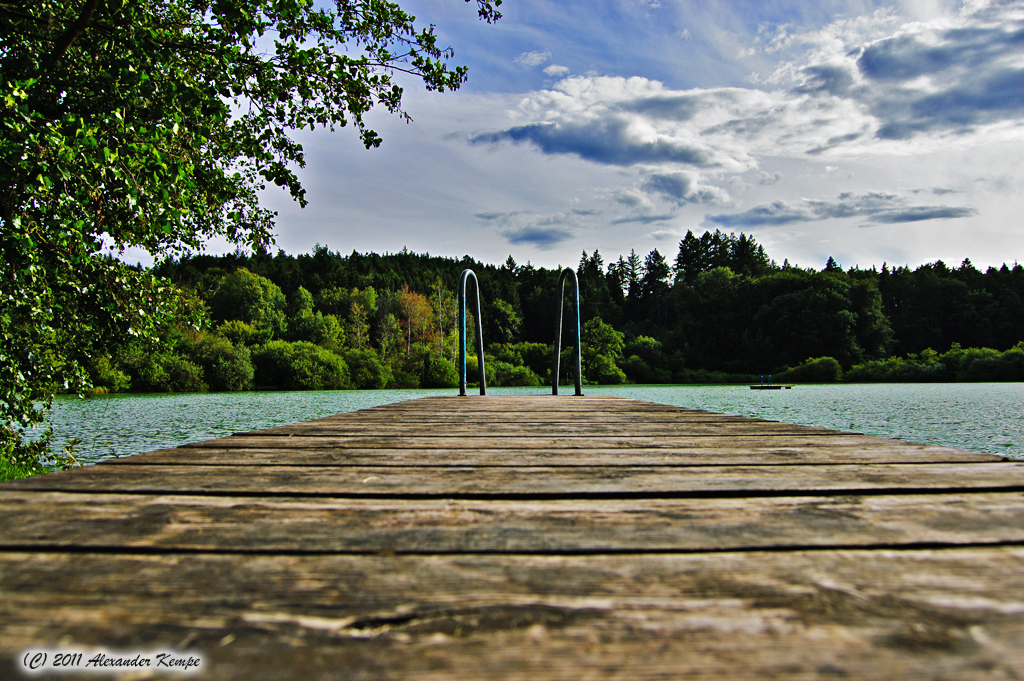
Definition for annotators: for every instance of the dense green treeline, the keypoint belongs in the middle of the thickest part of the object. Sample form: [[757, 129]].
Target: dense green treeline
[[721, 310], [936, 306]]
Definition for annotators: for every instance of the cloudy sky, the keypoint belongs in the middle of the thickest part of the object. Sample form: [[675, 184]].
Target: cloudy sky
[[864, 130]]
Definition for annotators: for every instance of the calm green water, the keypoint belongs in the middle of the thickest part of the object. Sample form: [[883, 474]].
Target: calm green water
[[983, 417]]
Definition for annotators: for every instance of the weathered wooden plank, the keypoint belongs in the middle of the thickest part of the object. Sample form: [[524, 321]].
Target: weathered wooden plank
[[432, 452], [544, 400], [532, 417], [510, 441], [540, 414], [520, 481], [953, 614], [542, 407], [539, 401], [536, 409], [278, 524], [532, 403], [528, 423], [512, 428]]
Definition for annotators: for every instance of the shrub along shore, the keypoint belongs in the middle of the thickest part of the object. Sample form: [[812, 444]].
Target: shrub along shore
[[979, 365]]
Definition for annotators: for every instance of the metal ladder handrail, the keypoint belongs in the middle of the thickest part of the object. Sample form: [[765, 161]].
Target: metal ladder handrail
[[558, 339], [462, 334]]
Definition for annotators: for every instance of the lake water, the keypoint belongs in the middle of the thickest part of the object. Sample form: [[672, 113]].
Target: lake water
[[982, 417]]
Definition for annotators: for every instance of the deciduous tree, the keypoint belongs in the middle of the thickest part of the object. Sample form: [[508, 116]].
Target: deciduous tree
[[153, 124]]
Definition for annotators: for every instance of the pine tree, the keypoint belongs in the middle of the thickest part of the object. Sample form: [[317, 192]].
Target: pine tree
[[633, 275], [654, 285]]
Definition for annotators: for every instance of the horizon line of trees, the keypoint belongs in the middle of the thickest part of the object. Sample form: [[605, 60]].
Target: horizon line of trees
[[721, 311]]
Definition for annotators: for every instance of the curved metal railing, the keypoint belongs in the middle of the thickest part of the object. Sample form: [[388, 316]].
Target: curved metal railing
[[558, 339], [462, 334]]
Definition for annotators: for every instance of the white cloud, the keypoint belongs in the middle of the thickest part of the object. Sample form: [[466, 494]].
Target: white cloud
[[632, 197], [532, 59], [555, 70], [877, 207], [534, 229], [636, 121], [643, 4], [773, 38], [947, 77], [683, 187]]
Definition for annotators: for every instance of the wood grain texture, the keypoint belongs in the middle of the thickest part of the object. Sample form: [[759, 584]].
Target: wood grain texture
[[525, 429], [533, 538], [433, 452], [278, 524], [509, 481], [954, 614]]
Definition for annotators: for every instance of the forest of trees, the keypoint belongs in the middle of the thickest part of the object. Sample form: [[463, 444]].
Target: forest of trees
[[720, 311]]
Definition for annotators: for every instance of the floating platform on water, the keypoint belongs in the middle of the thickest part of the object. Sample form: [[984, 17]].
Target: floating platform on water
[[777, 386], [527, 537]]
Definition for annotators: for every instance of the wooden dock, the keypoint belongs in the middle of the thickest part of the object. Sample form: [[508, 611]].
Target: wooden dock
[[527, 538]]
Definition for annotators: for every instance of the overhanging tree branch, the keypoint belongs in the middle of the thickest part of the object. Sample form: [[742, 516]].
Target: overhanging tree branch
[[73, 31]]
